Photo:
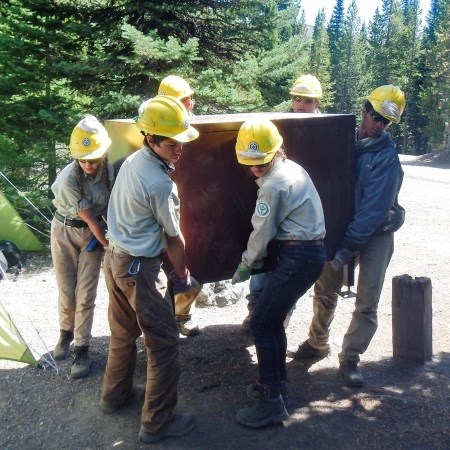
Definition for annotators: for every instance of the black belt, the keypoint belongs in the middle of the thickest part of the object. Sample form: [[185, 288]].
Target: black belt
[[298, 243], [70, 222]]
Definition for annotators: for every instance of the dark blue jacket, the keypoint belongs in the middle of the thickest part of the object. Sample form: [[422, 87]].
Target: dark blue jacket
[[379, 177]]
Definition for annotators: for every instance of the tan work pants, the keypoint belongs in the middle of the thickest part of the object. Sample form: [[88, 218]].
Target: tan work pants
[[140, 303], [77, 272], [373, 258]]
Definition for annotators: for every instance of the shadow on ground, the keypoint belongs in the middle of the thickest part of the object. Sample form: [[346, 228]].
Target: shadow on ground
[[403, 405]]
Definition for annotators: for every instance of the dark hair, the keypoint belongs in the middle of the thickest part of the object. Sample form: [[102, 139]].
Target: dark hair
[[368, 106], [157, 139]]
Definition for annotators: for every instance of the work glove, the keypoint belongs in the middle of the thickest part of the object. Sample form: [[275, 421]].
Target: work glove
[[180, 284], [395, 218], [341, 258], [242, 273]]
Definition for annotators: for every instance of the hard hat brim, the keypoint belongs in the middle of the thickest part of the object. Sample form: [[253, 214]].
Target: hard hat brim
[[256, 162], [189, 135], [376, 104], [301, 94]]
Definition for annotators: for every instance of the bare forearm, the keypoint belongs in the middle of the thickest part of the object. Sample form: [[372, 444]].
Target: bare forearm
[[176, 253]]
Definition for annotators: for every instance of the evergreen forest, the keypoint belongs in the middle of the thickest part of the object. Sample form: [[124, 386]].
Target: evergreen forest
[[62, 59]]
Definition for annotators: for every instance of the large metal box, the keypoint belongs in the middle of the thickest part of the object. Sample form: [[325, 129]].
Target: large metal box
[[218, 194]]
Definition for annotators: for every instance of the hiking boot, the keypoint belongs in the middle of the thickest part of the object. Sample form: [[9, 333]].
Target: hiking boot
[[136, 392], [81, 364], [266, 412], [351, 375], [306, 351], [62, 348], [259, 392], [180, 425], [187, 327]]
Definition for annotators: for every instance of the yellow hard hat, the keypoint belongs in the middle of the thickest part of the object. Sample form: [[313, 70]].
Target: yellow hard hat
[[166, 116], [307, 86], [257, 142], [175, 86], [89, 139], [388, 101]]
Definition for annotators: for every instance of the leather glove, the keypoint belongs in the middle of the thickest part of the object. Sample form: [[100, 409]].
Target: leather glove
[[395, 218], [341, 258], [242, 273], [180, 284]]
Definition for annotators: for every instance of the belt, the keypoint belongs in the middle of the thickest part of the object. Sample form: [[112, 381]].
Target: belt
[[70, 222], [299, 243]]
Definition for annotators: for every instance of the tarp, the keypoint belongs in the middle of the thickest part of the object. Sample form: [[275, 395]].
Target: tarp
[[12, 345], [13, 228]]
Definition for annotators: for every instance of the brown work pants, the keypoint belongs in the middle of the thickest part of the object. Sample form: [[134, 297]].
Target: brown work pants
[[77, 272], [138, 304]]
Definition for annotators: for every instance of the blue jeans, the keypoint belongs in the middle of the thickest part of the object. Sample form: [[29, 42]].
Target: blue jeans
[[256, 287], [297, 270]]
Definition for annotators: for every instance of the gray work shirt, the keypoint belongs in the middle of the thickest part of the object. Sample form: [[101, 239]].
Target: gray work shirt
[[144, 205], [68, 199], [288, 207]]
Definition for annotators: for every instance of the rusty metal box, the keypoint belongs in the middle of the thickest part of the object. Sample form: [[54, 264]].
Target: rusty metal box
[[218, 194]]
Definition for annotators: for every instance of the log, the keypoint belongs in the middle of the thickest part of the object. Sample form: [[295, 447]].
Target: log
[[412, 318]]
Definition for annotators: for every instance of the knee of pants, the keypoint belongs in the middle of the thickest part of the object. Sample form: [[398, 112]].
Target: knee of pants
[[327, 302]]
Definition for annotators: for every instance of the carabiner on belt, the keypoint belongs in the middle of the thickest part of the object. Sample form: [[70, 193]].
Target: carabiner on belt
[[135, 267]]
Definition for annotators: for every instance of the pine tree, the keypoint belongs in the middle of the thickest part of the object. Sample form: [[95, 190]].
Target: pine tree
[[319, 59], [41, 51], [435, 93], [349, 68], [335, 30]]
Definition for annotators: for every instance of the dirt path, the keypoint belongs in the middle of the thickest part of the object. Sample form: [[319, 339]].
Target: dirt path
[[403, 406]]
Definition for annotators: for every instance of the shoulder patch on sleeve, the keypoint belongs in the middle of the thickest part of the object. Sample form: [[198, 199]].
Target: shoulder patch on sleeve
[[262, 209]]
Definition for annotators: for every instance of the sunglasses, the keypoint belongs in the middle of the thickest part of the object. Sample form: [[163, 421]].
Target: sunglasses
[[90, 161], [297, 98], [377, 118], [262, 165]]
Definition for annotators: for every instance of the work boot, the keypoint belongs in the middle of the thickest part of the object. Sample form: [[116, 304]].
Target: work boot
[[136, 392], [62, 348], [267, 410], [187, 327], [81, 364], [306, 351], [351, 375], [180, 425], [259, 392]]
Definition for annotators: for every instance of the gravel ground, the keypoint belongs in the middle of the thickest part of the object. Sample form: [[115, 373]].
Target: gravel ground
[[404, 405]]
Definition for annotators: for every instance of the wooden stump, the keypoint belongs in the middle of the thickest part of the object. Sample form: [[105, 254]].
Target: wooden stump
[[411, 318]]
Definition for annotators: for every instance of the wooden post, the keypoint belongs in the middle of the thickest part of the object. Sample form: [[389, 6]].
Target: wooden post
[[411, 318]]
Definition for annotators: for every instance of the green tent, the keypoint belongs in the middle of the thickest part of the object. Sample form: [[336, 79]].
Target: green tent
[[12, 345], [13, 228]]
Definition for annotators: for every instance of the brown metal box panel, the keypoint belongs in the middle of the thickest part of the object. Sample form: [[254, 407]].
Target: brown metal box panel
[[218, 195]]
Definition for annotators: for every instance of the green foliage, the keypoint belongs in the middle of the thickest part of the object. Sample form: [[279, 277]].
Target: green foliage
[[435, 93], [320, 60], [61, 59]]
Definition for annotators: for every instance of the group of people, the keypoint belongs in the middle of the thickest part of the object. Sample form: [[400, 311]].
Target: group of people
[[135, 215]]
